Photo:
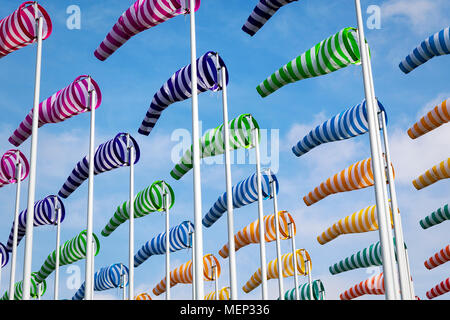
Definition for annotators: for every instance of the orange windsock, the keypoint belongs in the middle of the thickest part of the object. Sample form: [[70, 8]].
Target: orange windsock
[[143, 296], [438, 172], [432, 120], [224, 294], [438, 258]]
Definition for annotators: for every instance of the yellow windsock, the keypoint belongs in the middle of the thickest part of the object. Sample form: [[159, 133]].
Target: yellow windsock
[[364, 220], [272, 269], [224, 294], [183, 274], [438, 172], [250, 234], [143, 296], [433, 119]]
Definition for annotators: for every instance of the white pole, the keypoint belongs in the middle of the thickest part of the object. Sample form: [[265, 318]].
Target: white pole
[[166, 205], [192, 236], [216, 282], [90, 210], [131, 159], [308, 270], [16, 226], [294, 256], [229, 185], [33, 155], [198, 243], [1, 267], [277, 236], [413, 295], [262, 240], [58, 241], [376, 164], [122, 276]]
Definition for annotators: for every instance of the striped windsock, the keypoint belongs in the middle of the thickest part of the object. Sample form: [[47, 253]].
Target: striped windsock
[[440, 289], [146, 201], [179, 239], [250, 234], [64, 104], [373, 285], [19, 28], [243, 193], [143, 296], [224, 294], [334, 53], [183, 274], [432, 120], [438, 216], [358, 176], [436, 45], [364, 220], [347, 124], [72, 251], [44, 214], [4, 255], [438, 258], [109, 155], [212, 143], [142, 15], [179, 88], [106, 278], [438, 172], [8, 168], [287, 263], [263, 11], [304, 294], [18, 289]]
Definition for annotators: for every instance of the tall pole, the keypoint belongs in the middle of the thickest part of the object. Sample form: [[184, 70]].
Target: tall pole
[[191, 237], [12, 278], [216, 282], [122, 276], [230, 215], [90, 210], [308, 271], [413, 295], [294, 257], [379, 180], [131, 159], [33, 155], [166, 205], [1, 267], [198, 243], [262, 240], [58, 241]]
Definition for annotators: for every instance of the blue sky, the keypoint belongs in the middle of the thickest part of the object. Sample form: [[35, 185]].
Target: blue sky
[[131, 76]]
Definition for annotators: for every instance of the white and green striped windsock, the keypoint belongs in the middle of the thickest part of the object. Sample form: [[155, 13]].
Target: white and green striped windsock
[[334, 53], [18, 289], [146, 201], [72, 251], [304, 293], [212, 143], [436, 217]]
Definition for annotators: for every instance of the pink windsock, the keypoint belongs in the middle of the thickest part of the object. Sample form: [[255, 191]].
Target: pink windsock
[[19, 28], [373, 285], [142, 15], [438, 258], [8, 167], [439, 289], [64, 104]]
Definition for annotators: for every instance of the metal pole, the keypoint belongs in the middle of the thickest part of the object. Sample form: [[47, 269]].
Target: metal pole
[[376, 163], [216, 282], [16, 226], [166, 204], [262, 240], [294, 256], [198, 243], [90, 209], [33, 155], [122, 275], [131, 159], [1, 267], [413, 295], [308, 270], [58, 241], [192, 236]]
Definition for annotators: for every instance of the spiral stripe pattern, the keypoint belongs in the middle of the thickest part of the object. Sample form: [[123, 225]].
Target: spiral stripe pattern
[[431, 176], [143, 296], [438, 216], [8, 167], [34, 289], [224, 294], [440, 257], [373, 285], [432, 120], [304, 294], [442, 288]]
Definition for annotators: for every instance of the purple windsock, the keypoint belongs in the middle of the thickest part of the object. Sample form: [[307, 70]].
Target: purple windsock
[[8, 167], [64, 104]]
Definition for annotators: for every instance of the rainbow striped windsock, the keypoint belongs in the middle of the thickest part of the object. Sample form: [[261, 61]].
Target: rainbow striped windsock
[[438, 258], [142, 15], [143, 296], [432, 120], [8, 167], [438, 216], [146, 201], [304, 293], [250, 234], [263, 11], [334, 53], [373, 285], [436, 45], [64, 104], [440, 289], [436, 173], [19, 28], [35, 289], [364, 220], [224, 294], [213, 143], [272, 269], [183, 273]]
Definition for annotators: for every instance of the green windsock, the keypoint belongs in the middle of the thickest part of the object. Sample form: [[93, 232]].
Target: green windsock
[[304, 293], [436, 217], [213, 143], [334, 53], [146, 201], [72, 251], [18, 289]]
